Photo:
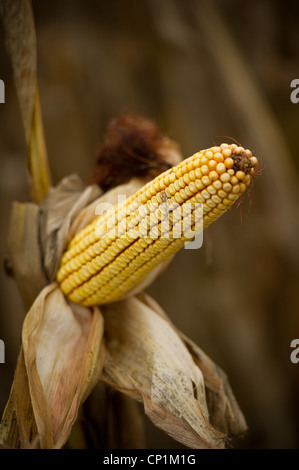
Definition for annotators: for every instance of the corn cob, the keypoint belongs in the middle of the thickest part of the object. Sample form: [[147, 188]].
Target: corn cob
[[106, 259]]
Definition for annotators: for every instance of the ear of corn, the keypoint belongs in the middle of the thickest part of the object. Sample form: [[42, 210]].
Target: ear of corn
[[106, 259]]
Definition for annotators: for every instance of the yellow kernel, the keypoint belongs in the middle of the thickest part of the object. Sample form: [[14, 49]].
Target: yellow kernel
[[230, 171], [216, 149], [218, 157], [234, 180], [226, 202], [192, 176], [183, 194], [205, 194], [224, 177], [217, 184], [198, 184], [224, 146], [253, 161], [212, 164], [248, 152], [227, 187], [229, 162], [242, 187], [204, 160], [226, 153], [186, 178], [216, 199], [211, 189], [172, 190], [233, 197], [157, 186], [190, 165], [220, 168], [177, 185], [179, 172], [172, 177], [240, 175], [166, 179], [204, 170], [213, 175], [196, 163], [188, 192], [182, 183], [167, 192], [205, 180], [199, 198], [209, 154], [192, 187], [210, 203], [162, 187], [236, 189], [198, 173]]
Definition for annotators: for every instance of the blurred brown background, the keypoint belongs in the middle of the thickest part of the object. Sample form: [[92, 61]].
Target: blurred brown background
[[201, 70]]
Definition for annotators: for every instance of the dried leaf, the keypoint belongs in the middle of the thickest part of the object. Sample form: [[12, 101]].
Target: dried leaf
[[225, 413], [37, 154], [63, 358], [9, 432], [24, 251], [146, 359], [21, 45], [62, 205], [63, 354], [27, 430], [20, 40]]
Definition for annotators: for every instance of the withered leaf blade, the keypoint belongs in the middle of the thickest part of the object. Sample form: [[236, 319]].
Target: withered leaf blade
[[21, 45], [63, 204], [63, 356], [24, 251], [20, 41], [146, 359], [224, 410]]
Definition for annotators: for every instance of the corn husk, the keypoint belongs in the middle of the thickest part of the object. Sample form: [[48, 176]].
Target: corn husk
[[60, 362], [182, 391], [62, 356]]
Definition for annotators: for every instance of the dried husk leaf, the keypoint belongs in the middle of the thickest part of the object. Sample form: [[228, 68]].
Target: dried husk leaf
[[63, 353], [57, 212], [24, 251], [27, 430], [146, 359], [9, 431], [225, 413]]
